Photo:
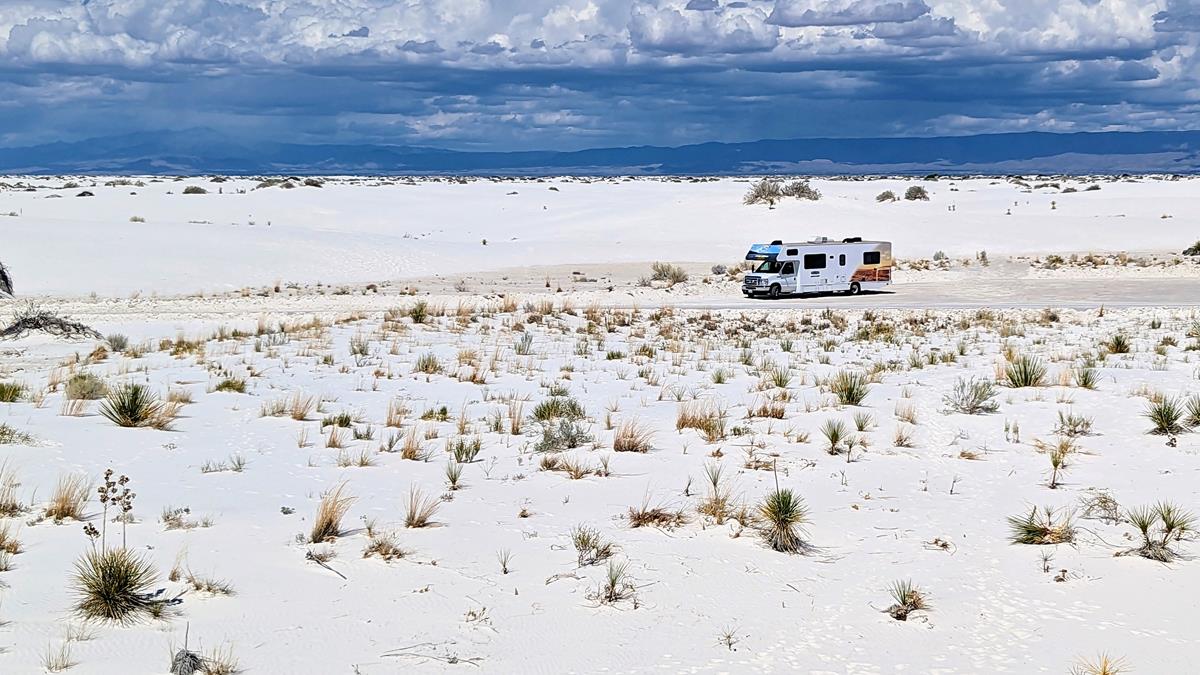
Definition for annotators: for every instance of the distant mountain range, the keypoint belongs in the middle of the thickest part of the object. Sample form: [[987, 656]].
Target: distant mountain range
[[203, 151]]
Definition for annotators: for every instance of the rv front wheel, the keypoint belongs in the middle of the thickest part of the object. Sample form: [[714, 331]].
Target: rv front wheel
[[855, 288], [774, 292]]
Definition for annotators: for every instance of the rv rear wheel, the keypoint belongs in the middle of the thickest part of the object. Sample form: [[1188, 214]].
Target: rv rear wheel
[[855, 288], [774, 292]]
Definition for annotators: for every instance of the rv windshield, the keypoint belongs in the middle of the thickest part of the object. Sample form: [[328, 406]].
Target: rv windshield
[[768, 267]]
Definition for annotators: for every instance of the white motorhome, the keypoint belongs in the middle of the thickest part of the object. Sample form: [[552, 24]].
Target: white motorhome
[[818, 266]]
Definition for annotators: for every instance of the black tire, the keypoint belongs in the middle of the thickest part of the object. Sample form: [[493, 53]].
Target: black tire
[[855, 289], [774, 292]]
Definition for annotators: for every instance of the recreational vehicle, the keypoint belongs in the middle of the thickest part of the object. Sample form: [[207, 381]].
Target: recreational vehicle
[[818, 266]]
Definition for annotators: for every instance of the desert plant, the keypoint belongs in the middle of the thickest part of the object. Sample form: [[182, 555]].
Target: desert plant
[[113, 585], [916, 193], [672, 274], [420, 509], [453, 474], [765, 191], [1194, 249], [1071, 424], [85, 387], [10, 435], [1160, 526], [134, 405], [465, 450], [194, 190], [69, 498], [631, 436], [615, 586], [590, 546], [231, 384], [1118, 344], [1193, 411], [784, 518], [972, 396], [428, 363], [1167, 414], [1101, 665], [1041, 527], [327, 523], [836, 434], [1025, 371], [886, 196], [118, 342], [800, 189], [850, 387], [907, 599], [1086, 378], [11, 392]]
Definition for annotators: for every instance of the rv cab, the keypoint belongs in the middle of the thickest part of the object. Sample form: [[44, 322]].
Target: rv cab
[[818, 266]]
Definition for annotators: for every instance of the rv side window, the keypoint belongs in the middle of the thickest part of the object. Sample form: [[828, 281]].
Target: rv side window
[[842, 259], [788, 268], [814, 261], [871, 258], [793, 251]]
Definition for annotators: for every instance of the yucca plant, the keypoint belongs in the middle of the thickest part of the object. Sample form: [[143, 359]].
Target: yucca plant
[[907, 599], [1167, 415], [11, 392], [1025, 371], [1193, 411], [836, 433], [850, 387], [1041, 527], [1160, 526], [453, 474], [615, 586], [590, 545], [1086, 378], [132, 405], [114, 585], [785, 517], [428, 363], [1118, 344]]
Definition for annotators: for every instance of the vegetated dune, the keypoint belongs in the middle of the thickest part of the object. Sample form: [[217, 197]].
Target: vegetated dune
[[547, 486]]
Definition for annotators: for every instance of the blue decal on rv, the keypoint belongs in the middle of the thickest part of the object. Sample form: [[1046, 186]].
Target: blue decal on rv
[[763, 251]]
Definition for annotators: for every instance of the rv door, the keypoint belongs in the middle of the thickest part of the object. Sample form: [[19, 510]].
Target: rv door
[[788, 277]]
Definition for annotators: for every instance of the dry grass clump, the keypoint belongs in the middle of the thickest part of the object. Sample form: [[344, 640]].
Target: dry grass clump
[[655, 516], [633, 437], [1041, 527], [385, 547], [327, 524], [420, 509], [705, 415], [69, 498], [114, 585], [784, 518], [10, 504]]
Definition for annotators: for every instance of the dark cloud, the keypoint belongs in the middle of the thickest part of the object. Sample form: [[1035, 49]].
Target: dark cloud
[[802, 13]]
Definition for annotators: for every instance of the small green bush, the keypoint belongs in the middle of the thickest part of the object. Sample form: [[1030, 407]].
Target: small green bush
[[86, 386], [11, 392], [114, 586], [916, 193]]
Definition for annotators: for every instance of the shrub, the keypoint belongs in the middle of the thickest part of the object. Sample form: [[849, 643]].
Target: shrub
[[1041, 527], [590, 546], [555, 407], [907, 599], [11, 392], [327, 524], [916, 193], [428, 363], [972, 397], [1167, 416], [563, 435], [785, 516], [1194, 249], [464, 450], [616, 585], [702, 414], [1087, 378], [85, 387], [11, 436], [117, 342], [114, 585], [765, 191], [800, 189], [419, 311], [719, 269], [1103, 664], [194, 190], [1118, 344], [850, 387], [1193, 411], [886, 196], [672, 274], [1026, 371]]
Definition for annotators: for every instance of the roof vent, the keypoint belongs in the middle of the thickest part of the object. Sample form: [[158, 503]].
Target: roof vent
[[777, 242], [820, 240], [851, 240]]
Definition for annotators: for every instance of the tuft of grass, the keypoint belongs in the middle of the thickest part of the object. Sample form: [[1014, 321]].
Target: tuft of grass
[[232, 384], [655, 516], [705, 415], [428, 363], [327, 524], [836, 434], [113, 586], [590, 546], [1167, 414], [850, 387], [784, 518], [1086, 378], [420, 510], [631, 436], [615, 586], [1160, 526], [69, 498], [1041, 527], [12, 436], [972, 397], [1193, 411], [1025, 371]]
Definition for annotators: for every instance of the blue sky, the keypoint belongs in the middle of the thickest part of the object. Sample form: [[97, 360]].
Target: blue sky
[[570, 74]]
